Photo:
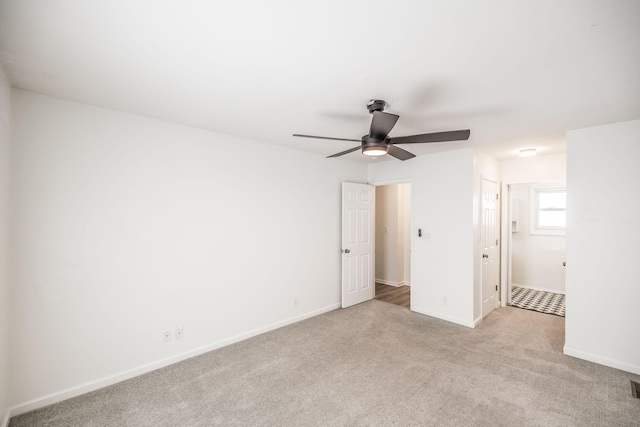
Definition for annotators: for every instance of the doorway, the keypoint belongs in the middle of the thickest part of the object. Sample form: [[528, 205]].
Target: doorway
[[537, 247], [490, 230], [393, 244]]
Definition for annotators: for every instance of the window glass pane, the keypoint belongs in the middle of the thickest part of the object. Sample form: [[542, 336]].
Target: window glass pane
[[552, 199], [552, 219]]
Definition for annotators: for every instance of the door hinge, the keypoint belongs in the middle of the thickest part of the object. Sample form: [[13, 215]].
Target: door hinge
[[496, 242], [496, 287], [496, 197]]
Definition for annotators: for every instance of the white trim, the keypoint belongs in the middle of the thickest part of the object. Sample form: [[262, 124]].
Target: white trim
[[390, 283], [467, 323], [601, 360], [7, 417], [477, 321], [534, 209], [391, 182], [87, 387], [505, 247], [381, 183]]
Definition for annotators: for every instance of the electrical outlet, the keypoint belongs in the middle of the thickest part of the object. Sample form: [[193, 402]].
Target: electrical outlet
[[295, 302], [179, 333], [166, 336]]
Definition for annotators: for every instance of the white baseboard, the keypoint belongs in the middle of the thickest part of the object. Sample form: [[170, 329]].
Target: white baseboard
[[390, 283], [623, 366], [78, 390], [467, 323], [537, 288]]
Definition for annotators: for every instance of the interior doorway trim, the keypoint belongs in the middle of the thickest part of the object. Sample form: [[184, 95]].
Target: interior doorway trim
[[505, 248], [381, 183], [506, 272], [391, 182]]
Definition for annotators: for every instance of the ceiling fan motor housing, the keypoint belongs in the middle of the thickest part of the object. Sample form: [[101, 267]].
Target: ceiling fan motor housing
[[376, 105]]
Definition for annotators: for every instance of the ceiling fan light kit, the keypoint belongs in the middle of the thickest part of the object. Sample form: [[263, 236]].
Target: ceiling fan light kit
[[374, 151], [378, 143]]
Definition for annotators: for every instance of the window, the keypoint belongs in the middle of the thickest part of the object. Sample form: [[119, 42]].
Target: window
[[548, 210]]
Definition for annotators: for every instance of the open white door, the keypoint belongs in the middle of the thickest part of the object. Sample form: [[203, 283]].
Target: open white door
[[490, 247], [358, 208]]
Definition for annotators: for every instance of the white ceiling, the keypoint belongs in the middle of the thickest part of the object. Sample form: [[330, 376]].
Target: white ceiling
[[518, 73]]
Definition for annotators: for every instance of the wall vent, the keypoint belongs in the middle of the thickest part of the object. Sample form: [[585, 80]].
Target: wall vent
[[635, 389]]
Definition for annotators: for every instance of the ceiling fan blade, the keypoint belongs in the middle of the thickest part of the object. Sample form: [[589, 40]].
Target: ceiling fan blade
[[399, 153], [381, 124], [342, 153], [326, 137], [454, 135]]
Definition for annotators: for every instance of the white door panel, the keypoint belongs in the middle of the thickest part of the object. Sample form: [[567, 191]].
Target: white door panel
[[358, 207], [490, 247]]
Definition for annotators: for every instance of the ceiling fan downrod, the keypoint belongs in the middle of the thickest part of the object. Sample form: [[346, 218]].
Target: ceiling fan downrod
[[376, 105]]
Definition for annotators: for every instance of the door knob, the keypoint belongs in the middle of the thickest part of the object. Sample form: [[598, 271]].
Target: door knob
[[485, 256], [346, 251]]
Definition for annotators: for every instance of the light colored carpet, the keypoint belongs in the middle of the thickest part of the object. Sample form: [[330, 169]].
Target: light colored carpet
[[372, 364]]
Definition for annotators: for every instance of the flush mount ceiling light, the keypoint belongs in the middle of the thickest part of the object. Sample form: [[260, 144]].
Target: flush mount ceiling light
[[529, 152]]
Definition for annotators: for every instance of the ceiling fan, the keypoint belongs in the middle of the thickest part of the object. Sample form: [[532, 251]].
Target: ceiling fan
[[378, 143]]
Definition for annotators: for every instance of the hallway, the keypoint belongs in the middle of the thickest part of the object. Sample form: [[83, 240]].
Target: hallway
[[395, 295]]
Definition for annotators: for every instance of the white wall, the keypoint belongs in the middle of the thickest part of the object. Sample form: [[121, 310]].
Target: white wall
[[442, 206], [536, 260], [127, 226], [551, 168], [484, 167], [5, 135], [603, 245]]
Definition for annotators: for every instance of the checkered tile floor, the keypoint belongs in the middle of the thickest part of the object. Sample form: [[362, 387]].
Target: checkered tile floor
[[544, 302]]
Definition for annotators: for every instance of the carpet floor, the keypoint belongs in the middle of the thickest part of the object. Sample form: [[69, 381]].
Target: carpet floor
[[372, 364], [544, 302]]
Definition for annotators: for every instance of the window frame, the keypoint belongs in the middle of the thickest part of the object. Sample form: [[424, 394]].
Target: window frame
[[534, 202]]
